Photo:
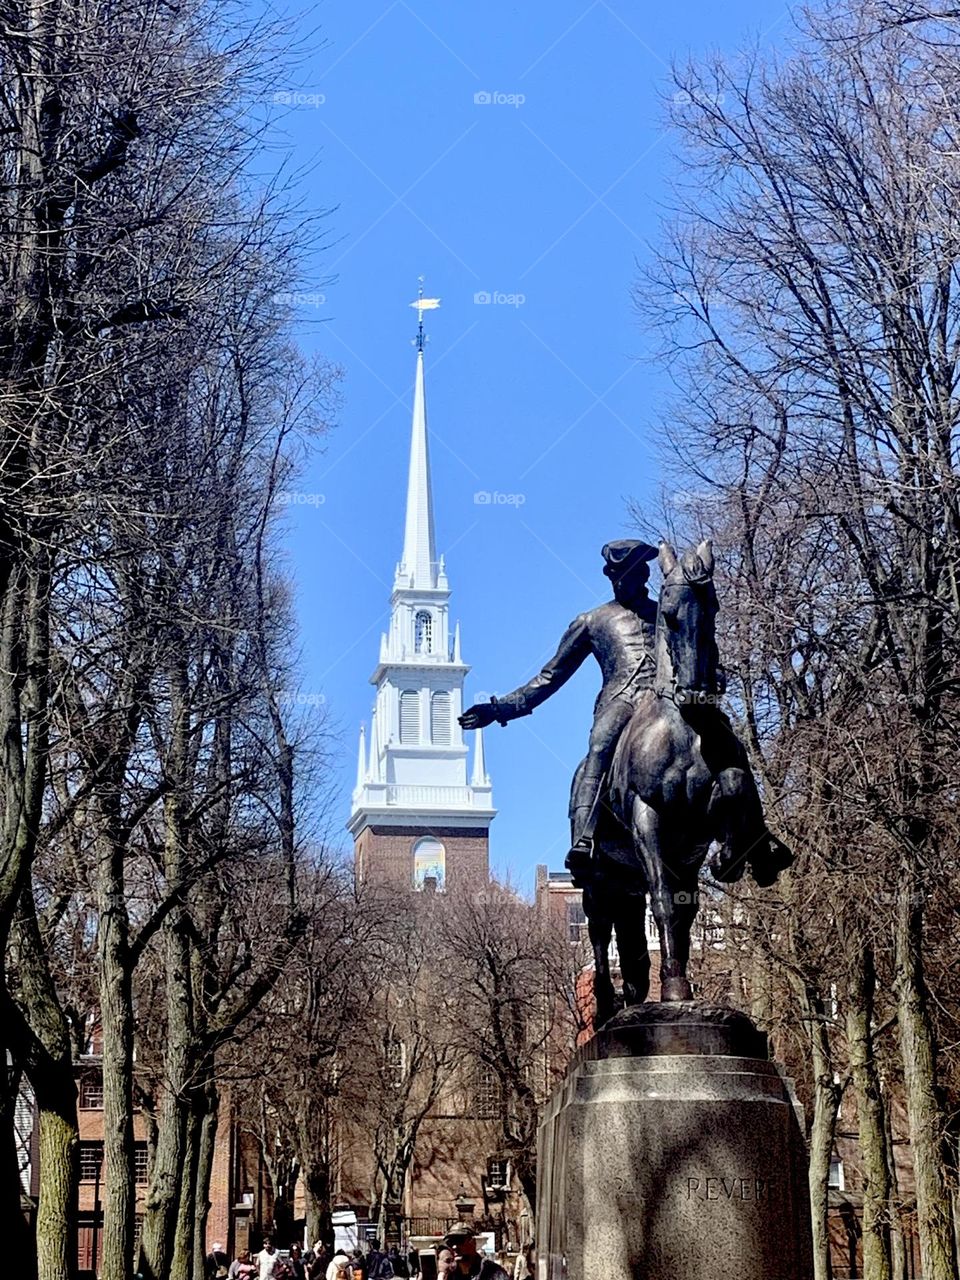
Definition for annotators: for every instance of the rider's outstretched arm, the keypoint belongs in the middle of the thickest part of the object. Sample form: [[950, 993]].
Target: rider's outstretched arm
[[574, 647]]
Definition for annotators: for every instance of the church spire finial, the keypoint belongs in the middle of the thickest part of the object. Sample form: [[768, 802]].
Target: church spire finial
[[423, 304]]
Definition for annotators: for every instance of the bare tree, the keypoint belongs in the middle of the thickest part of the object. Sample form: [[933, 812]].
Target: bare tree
[[808, 299]]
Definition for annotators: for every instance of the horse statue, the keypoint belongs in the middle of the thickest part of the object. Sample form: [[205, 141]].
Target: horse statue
[[678, 783]]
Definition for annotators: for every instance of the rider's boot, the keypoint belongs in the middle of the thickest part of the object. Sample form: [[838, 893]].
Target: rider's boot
[[578, 860], [580, 855]]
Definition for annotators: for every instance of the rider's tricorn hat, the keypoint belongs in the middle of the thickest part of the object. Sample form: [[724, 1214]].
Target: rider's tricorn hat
[[626, 554]]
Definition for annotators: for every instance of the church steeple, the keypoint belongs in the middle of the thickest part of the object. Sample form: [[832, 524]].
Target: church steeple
[[418, 565], [415, 780]]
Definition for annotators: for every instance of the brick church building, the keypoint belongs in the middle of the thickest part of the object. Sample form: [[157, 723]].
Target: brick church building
[[420, 819]]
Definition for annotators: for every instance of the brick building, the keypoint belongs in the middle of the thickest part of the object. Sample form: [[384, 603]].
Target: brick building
[[239, 1198]]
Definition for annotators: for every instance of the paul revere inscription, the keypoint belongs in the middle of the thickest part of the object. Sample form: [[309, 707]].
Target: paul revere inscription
[[756, 1190]]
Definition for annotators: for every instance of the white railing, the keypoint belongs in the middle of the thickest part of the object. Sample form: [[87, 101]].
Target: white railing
[[430, 797]]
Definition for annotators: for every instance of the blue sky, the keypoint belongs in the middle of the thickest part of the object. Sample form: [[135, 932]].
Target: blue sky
[[514, 152]]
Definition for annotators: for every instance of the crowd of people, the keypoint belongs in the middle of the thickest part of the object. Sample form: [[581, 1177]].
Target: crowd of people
[[456, 1257]]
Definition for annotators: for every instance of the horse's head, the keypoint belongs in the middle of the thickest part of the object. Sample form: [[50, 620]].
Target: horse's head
[[688, 664]]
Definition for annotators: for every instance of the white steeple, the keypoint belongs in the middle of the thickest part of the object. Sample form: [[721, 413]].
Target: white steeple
[[418, 564], [362, 760], [417, 769]]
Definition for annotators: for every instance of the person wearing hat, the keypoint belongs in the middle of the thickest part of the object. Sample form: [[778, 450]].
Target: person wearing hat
[[462, 1239], [620, 634]]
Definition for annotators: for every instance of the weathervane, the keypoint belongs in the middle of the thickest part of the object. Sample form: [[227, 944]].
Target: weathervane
[[423, 304]]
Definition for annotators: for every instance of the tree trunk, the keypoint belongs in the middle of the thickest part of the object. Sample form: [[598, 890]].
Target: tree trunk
[[185, 1226], [898, 1245], [58, 1158], [116, 1016], [919, 1055], [826, 1103], [163, 1196], [316, 1196], [877, 1261], [43, 1044], [201, 1210]]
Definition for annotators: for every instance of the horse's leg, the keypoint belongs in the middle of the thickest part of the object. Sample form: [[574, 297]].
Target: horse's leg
[[646, 834], [685, 906], [600, 929], [736, 813], [631, 944]]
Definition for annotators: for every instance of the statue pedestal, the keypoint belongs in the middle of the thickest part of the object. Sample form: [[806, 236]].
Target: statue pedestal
[[673, 1151]]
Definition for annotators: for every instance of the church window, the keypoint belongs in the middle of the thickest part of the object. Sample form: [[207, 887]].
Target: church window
[[423, 632], [429, 862], [409, 716], [440, 719]]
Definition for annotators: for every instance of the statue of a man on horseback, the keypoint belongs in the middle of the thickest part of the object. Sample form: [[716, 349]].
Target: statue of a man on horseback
[[664, 776]]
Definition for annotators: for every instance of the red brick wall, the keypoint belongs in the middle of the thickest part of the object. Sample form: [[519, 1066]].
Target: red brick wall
[[384, 855]]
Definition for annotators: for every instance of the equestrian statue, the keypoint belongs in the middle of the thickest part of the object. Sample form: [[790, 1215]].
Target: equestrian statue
[[664, 777]]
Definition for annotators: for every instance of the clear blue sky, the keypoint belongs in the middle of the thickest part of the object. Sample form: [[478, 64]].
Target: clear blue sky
[[548, 196]]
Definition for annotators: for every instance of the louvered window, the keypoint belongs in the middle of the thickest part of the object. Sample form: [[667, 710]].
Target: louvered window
[[409, 716], [440, 719]]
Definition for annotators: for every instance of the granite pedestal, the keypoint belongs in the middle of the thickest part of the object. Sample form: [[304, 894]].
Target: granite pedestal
[[673, 1151]]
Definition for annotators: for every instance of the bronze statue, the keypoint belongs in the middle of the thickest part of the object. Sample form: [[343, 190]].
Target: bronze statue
[[664, 776]]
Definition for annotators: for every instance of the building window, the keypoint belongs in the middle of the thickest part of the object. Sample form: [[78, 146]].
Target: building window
[[409, 716], [498, 1174], [429, 862], [423, 632], [576, 921], [140, 1163], [486, 1093], [395, 1059], [440, 719], [91, 1091], [835, 1179], [91, 1161]]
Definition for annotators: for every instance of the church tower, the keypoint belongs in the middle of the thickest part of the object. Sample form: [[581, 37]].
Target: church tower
[[416, 818]]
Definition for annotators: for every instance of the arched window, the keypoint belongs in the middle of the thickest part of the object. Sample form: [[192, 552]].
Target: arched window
[[429, 862], [409, 716], [440, 719], [423, 632]]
